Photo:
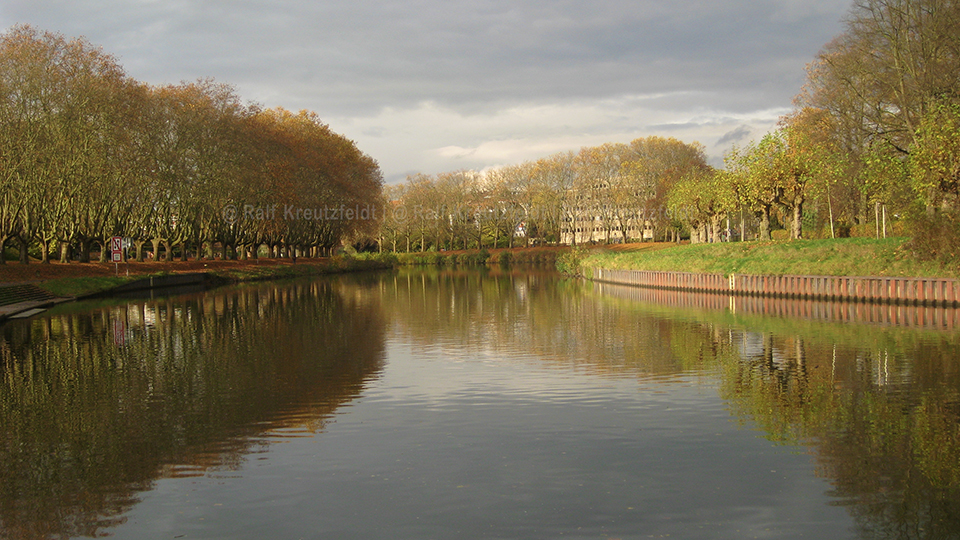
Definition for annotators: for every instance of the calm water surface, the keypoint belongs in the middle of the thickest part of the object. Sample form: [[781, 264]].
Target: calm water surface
[[461, 404]]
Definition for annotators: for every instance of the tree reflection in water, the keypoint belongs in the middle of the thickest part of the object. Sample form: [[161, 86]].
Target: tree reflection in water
[[877, 405], [95, 405]]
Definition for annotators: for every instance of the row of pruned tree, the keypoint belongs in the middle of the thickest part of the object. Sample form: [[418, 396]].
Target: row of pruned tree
[[773, 178], [599, 194], [87, 153], [877, 125]]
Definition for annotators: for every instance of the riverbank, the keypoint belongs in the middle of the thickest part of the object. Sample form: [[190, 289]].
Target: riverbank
[[37, 286], [544, 255], [80, 279], [28, 289], [888, 257], [87, 277]]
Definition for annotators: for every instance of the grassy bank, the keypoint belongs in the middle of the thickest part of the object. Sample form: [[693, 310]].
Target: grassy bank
[[306, 267], [501, 257], [836, 257], [266, 269], [75, 280], [82, 286]]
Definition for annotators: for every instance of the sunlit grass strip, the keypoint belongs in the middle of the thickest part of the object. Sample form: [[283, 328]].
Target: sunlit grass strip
[[333, 265], [80, 286], [83, 286], [832, 257]]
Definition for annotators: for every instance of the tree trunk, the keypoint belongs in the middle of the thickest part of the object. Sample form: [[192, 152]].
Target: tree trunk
[[167, 251], [24, 254], [44, 251], [763, 216], [796, 225], [715, 224], [695, 233], [156, 248], [64, 251], [830, 210], [85, 245], [884, 211]]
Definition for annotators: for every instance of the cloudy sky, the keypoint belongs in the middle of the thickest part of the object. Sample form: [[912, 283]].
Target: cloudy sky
[[439, 85]]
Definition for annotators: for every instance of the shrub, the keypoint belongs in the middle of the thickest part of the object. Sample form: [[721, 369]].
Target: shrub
[[468, 258], [936, 236], [406, 258], [387, 258], [570, 262]]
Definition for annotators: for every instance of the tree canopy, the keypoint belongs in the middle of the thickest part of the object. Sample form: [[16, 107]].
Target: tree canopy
[[87, 153]]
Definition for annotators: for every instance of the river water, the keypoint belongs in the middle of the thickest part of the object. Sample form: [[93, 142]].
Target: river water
[[468, 404]]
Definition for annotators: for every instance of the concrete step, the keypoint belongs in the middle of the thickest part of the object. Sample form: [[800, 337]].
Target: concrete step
[[16, 294]]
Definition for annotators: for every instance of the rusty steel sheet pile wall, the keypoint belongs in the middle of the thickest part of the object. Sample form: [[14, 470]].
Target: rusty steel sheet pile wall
[[888, 290], [885, 314]]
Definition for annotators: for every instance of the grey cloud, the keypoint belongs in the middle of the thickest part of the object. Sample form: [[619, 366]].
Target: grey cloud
[[347, 59], [361, 56], [737, 135], [674, 127]]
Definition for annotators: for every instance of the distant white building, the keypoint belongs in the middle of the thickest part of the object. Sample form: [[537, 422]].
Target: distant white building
[[587, 219]]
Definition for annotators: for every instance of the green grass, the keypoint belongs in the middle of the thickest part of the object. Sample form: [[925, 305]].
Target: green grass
[[79, 286], [82, 286], [335, 265], [474, 257], [831, 257]]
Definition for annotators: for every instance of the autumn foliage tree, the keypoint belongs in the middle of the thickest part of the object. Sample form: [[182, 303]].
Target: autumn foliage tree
[[935, 176], [887, 83], [87, 153], [64, 124], [603, 193]]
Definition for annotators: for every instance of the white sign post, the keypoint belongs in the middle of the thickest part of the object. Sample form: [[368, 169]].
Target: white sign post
[[116, 252]]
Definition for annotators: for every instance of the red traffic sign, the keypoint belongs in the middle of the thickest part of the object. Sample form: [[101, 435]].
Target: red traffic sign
[[116, 249]]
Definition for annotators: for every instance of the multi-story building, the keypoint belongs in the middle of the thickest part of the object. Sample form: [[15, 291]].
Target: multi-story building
[[590, 217]]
